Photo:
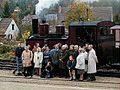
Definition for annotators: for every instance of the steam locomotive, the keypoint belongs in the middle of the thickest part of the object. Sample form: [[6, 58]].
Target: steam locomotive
[[94, 32]]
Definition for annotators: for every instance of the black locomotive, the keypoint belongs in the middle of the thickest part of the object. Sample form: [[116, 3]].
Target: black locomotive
[[95, 32]]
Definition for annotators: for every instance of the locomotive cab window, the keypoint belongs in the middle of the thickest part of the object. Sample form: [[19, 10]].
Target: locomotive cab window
[[104, 31], [85, 34]]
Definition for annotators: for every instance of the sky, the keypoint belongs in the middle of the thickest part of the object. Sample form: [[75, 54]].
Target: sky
[[46, 3]]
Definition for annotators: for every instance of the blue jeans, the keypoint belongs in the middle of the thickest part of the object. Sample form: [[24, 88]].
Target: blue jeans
[[49, 74], [18, 62]]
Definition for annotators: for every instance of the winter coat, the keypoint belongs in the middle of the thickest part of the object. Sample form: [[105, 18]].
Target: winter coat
[[92, 60], [38, 58], [63, 62], [27, 58], [55, 56], [19, 51], [69, 53], [71, 64], [80, 61], [46, 57]]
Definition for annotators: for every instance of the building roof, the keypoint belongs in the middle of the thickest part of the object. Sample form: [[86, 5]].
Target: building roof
[[116, 27], [81, 23], [103, 13], [28, 19], [4, 23]]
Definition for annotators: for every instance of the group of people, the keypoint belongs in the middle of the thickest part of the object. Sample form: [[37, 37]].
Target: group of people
[[75, 62]]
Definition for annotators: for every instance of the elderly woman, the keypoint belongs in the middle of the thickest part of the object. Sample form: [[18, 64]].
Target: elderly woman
[[80, 64], [38, 58], [27, 58]]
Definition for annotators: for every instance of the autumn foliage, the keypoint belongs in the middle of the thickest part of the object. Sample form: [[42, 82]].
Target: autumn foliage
[[79, 11]]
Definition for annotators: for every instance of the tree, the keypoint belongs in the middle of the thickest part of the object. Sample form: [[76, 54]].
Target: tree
[[25, 35], [6, 10], [0, 10], [26, 6], [65, 3], [77, 12], [117, 19], [12, 6]]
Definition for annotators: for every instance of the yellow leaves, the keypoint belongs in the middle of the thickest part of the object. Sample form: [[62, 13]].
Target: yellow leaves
[[25, 35], [77, 11]]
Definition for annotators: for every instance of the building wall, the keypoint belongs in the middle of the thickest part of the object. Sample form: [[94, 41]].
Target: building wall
[[51, 17], [14, 32]]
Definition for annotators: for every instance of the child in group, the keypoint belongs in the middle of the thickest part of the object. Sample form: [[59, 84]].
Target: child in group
[[71, 67], [48, 70]]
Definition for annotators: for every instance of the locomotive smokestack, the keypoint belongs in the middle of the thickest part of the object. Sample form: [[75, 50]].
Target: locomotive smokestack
[[35, 26]]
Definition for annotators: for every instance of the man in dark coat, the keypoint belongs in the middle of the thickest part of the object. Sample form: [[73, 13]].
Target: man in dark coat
[[55, 60], [18, 54], [62, 62]]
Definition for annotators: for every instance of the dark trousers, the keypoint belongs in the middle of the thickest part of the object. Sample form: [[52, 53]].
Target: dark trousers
[[28, 71], [43, 72], [49, 74], [66, 72], [85, 75], [55, 69], [91, 77], [76, 74], [61, 72]]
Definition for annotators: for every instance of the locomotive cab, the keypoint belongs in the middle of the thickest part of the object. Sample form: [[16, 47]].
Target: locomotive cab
[[96, 33]]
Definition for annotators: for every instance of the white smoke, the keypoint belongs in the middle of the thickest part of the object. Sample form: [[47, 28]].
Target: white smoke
[[44, 4]]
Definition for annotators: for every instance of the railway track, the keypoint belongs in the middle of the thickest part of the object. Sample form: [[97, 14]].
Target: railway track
[[100, 72], [7, 65]]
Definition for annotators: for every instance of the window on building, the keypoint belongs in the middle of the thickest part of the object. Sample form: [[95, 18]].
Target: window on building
[[13, 27]]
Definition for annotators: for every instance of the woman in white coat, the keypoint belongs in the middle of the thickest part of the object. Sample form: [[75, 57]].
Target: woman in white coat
[[92, 60], [80, 64], [38, 58]]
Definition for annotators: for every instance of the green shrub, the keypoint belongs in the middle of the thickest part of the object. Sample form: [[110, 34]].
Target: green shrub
[[6, 48], [7, 52]]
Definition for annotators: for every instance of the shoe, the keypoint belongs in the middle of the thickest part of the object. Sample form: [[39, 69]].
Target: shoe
[[74, 78], [19, 74], [89, 79], [60, 76], [80, 80], [71, 79], [30, 77], [93, 80], [14, 72]]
